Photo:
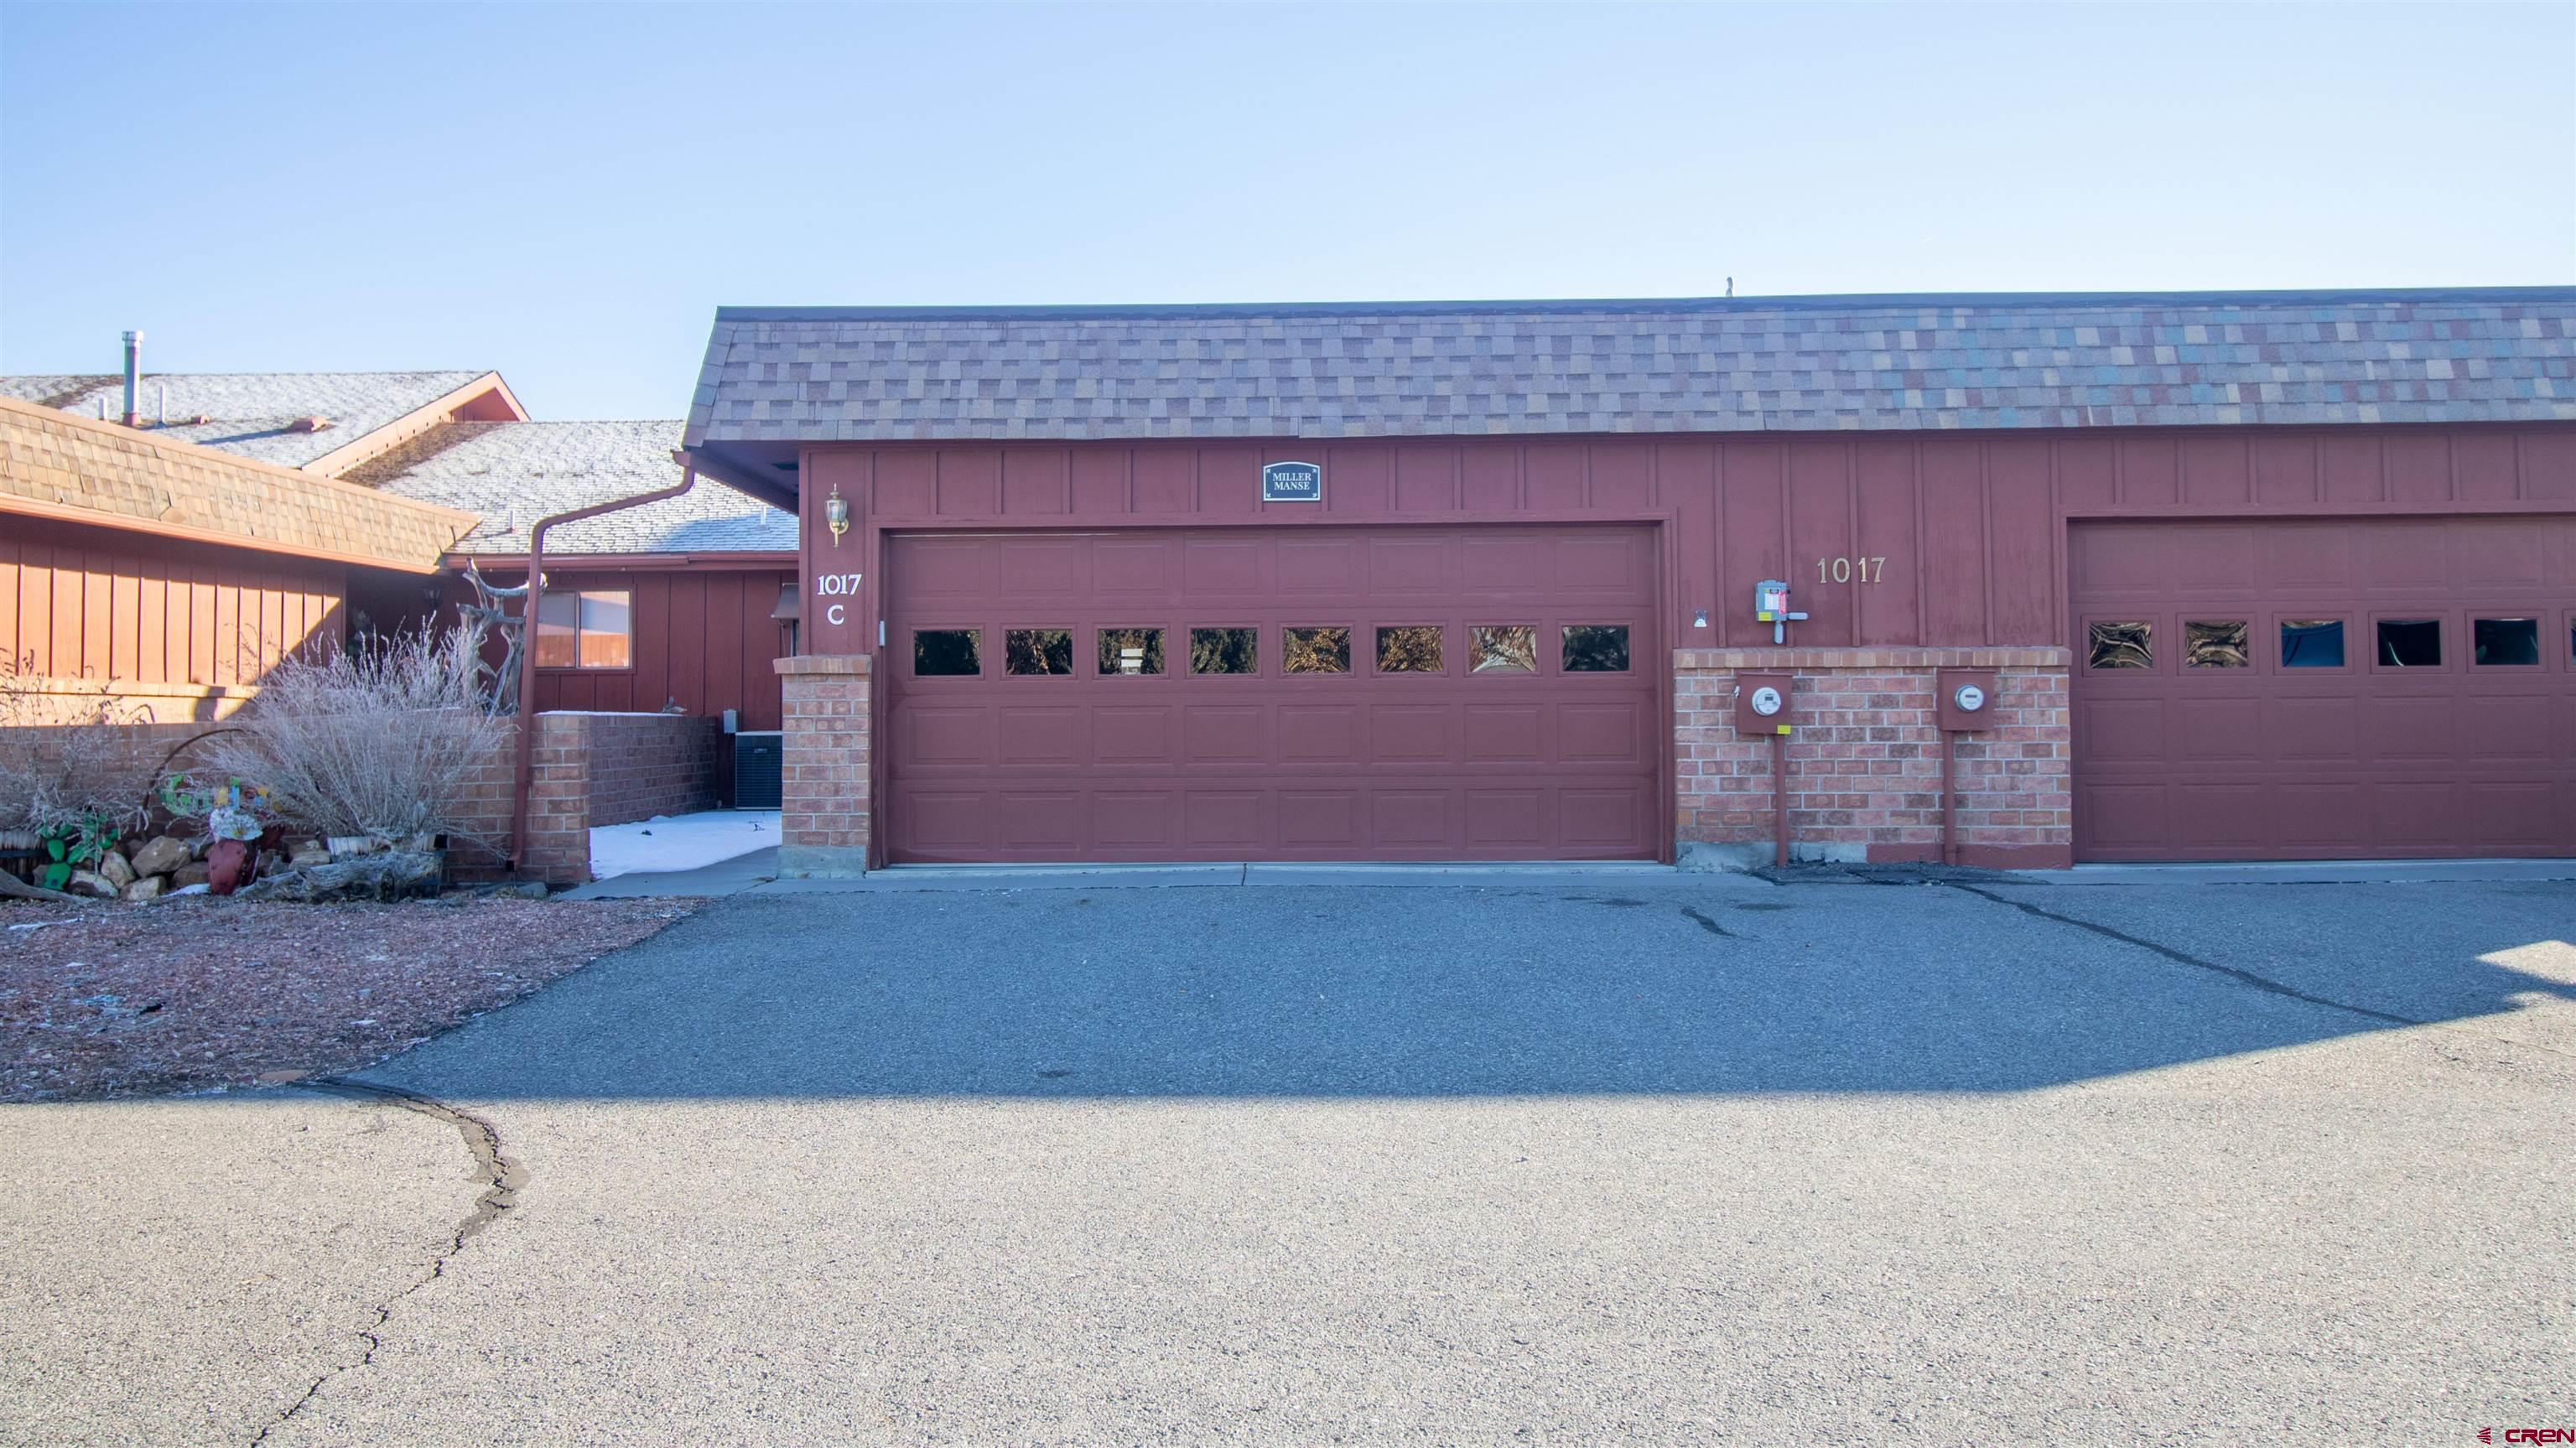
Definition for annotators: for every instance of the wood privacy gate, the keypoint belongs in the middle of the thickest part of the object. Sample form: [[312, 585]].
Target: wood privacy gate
[[1317, 693]]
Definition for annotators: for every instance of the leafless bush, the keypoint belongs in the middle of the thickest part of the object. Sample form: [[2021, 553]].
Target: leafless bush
[[68, 761], [383, 740]]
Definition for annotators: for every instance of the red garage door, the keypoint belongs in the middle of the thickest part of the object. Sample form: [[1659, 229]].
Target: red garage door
[[1284, 694], [2324, 689]]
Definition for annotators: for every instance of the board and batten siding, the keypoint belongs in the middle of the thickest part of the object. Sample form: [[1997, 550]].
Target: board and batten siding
[[1970, 528], [95, 604], [702, 636]]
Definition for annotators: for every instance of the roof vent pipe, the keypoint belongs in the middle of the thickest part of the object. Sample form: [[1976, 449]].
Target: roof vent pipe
[[133, 376]]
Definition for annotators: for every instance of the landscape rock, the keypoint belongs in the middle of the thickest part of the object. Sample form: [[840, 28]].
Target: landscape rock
[[115, 869], [396, 875], [309, 853], [146, 888], [190, 874], [90, 883], [160, 855]]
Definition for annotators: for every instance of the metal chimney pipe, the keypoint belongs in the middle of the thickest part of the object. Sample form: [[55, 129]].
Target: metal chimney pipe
[[133, 377]]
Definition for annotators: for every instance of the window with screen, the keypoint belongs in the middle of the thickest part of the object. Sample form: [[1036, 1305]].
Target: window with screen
[[591, 629]]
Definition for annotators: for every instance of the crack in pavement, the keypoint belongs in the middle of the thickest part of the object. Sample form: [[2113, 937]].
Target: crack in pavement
[[1711, 926], [502, 1180], [2258, 982], [2244, 977]]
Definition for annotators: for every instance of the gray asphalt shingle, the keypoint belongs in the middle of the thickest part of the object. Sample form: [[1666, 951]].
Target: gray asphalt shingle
[[250, 411], [1708, 365], [514, 473]]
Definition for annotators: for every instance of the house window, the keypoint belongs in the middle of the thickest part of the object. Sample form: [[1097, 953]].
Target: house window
[[592, 629]]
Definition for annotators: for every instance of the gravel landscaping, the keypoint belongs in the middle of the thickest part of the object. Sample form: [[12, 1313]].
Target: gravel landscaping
[[106, 1000]]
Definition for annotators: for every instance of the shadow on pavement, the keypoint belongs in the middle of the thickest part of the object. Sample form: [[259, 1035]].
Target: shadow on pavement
[[1342, 991]]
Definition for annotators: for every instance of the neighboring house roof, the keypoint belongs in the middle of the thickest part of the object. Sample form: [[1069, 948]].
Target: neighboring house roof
[[254, 414], [788, 374], [514, 473], [59, 464]]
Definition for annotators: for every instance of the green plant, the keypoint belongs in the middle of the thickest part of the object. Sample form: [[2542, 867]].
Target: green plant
[[77, 844]]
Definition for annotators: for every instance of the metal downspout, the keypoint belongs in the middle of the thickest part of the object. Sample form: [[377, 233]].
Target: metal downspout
[[525, 774]]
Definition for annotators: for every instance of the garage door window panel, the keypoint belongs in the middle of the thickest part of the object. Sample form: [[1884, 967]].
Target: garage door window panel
[[1225, 651], [1315, 650], [1131, 652], [1510, 648], [947, 653], [1037, 651], [1595, 648], [2215, 643], [2504, 642], [1409, 649], [2120, 643], [2408, 643], [2312, 643]]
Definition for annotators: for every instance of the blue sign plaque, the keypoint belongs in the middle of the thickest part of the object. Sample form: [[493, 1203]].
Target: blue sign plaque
[[1292, 483]]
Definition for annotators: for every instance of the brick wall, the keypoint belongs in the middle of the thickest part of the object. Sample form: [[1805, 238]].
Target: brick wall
[[1864, 762], [593, 769], [824, 830]]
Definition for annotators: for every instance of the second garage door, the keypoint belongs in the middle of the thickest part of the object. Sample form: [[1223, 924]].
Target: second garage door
[[1313, 693], [2324, 689]]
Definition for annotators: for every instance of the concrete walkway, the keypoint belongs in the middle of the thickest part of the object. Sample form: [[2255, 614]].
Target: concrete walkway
[[757, 872]]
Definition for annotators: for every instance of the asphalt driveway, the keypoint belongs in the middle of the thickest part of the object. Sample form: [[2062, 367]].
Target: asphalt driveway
[[1648, 1158]]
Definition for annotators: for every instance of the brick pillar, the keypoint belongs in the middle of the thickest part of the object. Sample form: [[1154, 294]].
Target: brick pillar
[[823, 829], [1865, 761]]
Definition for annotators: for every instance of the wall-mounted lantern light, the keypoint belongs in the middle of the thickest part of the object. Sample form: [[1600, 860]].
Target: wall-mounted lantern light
[[836, 513]]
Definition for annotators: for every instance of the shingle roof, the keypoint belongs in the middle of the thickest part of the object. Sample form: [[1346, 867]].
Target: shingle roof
[[58, 463], [514, 473], [251, 410], [1708, 365]]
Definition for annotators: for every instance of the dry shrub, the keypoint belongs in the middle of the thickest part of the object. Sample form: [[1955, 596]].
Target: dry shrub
[[383, 740], [68, 761]]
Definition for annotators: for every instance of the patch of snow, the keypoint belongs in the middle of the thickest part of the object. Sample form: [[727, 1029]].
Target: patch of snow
[[679, 842]]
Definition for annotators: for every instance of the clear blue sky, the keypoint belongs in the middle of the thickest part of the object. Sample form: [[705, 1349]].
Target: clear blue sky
[[567, 193]]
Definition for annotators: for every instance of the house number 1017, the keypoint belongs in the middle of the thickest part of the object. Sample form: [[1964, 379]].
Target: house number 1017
[[1851, 570]]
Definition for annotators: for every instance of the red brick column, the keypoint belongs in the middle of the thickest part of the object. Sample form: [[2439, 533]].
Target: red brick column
[[824, 829], [1865, 761]]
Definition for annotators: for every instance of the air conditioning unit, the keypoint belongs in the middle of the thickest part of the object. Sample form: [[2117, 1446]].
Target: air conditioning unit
[[757, 758]]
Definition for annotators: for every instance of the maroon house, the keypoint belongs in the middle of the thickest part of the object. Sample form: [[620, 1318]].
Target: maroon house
[[2233, 576], [678, 606]]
